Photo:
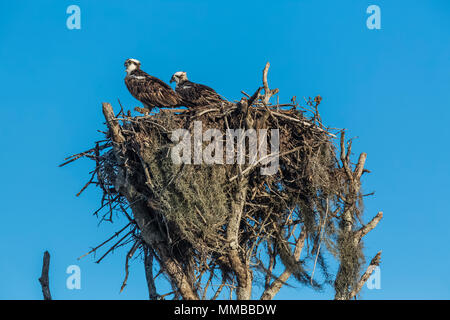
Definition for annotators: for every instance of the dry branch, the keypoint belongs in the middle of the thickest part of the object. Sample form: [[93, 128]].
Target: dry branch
[[44, 281], [368, 227], [148, 265], [276, 285], [373, 264]]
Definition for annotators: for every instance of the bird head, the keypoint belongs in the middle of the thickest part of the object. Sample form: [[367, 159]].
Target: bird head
[[132, 64], [178, 77]]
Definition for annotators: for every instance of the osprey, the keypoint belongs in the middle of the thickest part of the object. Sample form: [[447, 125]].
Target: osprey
[[149, 90], [194, 93]]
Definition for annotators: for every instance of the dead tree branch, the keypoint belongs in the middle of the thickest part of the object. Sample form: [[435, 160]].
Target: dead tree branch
[[368, 227], [44, 281], [277, 284], [148, 265], [373, 264]]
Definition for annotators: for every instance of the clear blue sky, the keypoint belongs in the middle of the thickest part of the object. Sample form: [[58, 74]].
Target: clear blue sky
[[389, 87]]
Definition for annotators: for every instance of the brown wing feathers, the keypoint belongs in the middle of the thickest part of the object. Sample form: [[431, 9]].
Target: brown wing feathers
[[151, 91], [197, 94]]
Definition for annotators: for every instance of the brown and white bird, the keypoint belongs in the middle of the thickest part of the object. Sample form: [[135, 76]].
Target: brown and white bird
[[149, 90], [194, 93]]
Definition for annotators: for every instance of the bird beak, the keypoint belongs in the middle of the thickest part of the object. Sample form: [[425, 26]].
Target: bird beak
[[172, 79]]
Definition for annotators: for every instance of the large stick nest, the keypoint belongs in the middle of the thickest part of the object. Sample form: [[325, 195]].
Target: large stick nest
[[191, 204]]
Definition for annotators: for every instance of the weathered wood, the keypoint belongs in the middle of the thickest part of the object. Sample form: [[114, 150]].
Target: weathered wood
[[240, 266], [373, 264], [368, 227], [278, 283], [142, 213], [148, 266], [44, 280]]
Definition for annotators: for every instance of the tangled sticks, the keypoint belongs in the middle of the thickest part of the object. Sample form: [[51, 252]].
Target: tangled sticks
[[225, 225]]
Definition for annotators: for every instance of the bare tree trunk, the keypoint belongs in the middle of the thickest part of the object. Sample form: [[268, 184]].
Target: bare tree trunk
[[345, 289], [148, 265], [240, 266], [44, 277], [150, 233]]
